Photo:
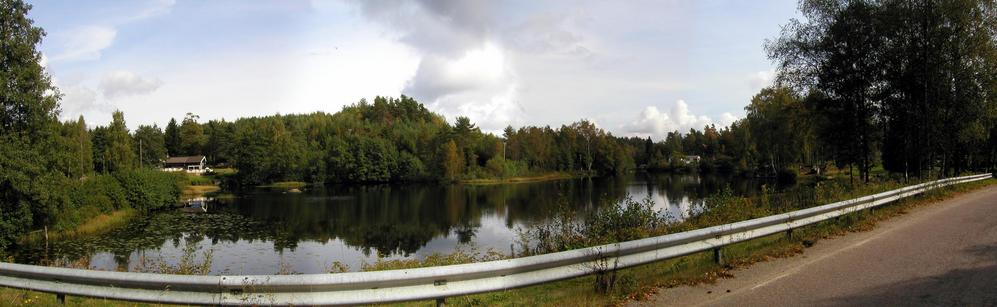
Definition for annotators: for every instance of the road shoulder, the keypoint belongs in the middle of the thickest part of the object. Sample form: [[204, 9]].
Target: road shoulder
[[779, 281]]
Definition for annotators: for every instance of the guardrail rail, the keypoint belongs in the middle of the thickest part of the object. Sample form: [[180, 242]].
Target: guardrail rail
[[426, 283]]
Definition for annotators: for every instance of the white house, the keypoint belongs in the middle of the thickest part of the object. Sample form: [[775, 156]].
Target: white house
[[690, 159], [191, 164]]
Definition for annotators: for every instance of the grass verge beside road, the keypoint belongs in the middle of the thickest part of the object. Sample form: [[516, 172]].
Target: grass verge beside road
[[640, 282]]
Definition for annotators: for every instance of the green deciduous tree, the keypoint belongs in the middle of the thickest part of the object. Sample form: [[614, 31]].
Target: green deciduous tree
[[119, 153], [914, 80], [776, 118], [453, 161], [192, 138], [46, 166], [76, 150], [28, 126], [150, 146]]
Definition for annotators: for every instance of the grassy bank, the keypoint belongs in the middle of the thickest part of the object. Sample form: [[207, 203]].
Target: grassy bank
[[284, 185], [640, 282], [193, 191], [202, 185], [93, 226], [525, 179]]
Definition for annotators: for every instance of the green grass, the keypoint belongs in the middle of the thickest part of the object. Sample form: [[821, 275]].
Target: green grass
[[284, 185], [193, 191], [461, 256], [640, 282], [224, 196], [200, 180], [524, 179], [635, 283], [94, 226], [17, 297], [223, 171]]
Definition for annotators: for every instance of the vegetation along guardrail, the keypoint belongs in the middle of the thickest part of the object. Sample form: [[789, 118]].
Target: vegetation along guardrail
[[432, 282]]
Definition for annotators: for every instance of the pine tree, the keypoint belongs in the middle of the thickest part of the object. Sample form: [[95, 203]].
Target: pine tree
[[172, 138]]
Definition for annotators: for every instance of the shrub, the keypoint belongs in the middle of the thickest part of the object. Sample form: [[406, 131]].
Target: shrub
[[151, 189], [615, 222], [496, 166], [199, 180], [102, 192]]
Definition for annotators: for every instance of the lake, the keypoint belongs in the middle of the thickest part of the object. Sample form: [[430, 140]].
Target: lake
[[268, 232]]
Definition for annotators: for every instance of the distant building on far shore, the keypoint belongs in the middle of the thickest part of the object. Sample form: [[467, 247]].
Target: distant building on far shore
[[691, 159], [191, 164]]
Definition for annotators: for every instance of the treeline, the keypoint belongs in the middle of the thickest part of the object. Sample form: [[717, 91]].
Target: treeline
[[775, 138], [908, 85], [47, 174], [389, 140]]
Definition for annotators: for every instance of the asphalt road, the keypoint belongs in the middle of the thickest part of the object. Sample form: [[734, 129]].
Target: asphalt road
[[943, 254]]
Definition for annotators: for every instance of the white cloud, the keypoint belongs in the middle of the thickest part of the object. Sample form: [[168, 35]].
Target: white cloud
[[79, 98], [464, 70], [548, 33], [435, 27], [479, 85], [85, 43], [477, 69], [727, 119], [761, 79], [491, 111], [155, 8], [656, 124], [530, 63], [121, 83]]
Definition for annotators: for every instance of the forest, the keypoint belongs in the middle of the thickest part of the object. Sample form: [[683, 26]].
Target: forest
[[905, 85], [387, 140]]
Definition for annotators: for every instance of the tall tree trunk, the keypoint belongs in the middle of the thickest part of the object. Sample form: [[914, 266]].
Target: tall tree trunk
[[851, 176], [945, 165]]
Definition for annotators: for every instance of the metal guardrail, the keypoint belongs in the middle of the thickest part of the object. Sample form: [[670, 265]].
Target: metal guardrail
[[426, 283]]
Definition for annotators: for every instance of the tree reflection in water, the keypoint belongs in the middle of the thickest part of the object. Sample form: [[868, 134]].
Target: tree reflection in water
[[356, 224]]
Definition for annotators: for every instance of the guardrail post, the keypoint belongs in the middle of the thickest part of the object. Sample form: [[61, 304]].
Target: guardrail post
[[61, 298], [441, 302], [718, 255], [789, 234]]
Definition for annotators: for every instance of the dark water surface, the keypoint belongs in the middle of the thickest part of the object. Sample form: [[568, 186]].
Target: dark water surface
[[267, 232]]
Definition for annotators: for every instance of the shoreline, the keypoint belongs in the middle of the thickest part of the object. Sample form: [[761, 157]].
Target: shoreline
[[96, 225], [194, 191], [526, 179]]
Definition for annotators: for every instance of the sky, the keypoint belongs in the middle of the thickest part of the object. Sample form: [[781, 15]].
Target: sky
[[641, 68]]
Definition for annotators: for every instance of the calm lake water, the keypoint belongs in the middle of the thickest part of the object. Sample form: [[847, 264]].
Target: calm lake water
[[266, 232]]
